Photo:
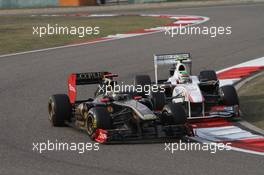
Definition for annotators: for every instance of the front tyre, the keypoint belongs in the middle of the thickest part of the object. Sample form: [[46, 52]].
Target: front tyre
[[229, 95], [173, 114], [98, 118], [60, 109]]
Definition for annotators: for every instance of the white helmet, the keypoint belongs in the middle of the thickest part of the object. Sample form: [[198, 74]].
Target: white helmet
[[182, 74]]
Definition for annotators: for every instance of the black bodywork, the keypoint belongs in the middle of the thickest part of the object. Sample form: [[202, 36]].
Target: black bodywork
[[123, 116]]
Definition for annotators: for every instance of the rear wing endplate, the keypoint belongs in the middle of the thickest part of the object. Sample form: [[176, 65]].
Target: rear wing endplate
[[85, 79]]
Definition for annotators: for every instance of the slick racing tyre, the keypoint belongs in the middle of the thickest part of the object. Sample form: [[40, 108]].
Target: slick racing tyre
[[142, 80], [229, 95], [60, 109], [209, 82], [158, 100], [208, 75], [173, 114], [98, 118]]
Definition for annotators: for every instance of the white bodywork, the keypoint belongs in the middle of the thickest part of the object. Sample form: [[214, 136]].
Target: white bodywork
[[188, 92]]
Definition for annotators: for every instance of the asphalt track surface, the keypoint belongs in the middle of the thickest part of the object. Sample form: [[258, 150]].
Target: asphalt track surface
[[28, 80]]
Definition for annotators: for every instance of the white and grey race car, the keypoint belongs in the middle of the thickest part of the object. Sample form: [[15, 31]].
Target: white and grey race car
[[201, 96]]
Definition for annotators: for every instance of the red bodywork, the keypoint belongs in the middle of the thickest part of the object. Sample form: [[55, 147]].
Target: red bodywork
[[72, 91]]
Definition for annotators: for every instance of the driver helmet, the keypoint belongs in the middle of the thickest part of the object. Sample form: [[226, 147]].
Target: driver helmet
[[184, 77]]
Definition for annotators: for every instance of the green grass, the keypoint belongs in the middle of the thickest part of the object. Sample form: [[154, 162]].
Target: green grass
[[16, 33], [252, 101]]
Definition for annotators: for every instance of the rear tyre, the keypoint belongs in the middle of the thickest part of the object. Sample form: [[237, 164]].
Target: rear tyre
[[98, 118], [207, 79], [229, 95], [208, 75], [173, 114], [143, 80], [60, 109]]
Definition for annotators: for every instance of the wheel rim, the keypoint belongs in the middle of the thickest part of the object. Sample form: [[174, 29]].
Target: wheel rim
[[51, 110], [165, 117], [89, 125]]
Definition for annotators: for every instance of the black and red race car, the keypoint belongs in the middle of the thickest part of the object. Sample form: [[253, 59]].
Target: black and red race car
[[122, 116]]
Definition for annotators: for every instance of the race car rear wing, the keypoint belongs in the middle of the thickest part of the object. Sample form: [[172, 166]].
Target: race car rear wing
[[170, 59], [85, 79]]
